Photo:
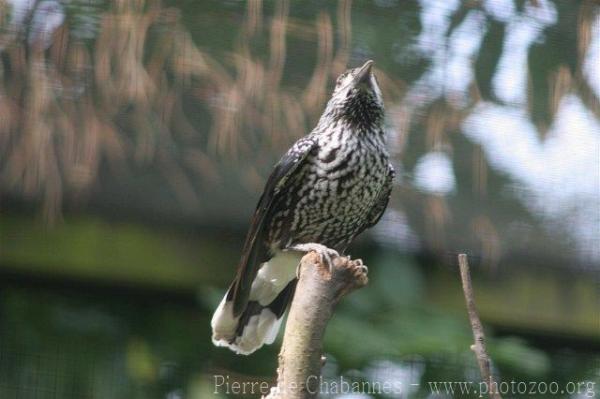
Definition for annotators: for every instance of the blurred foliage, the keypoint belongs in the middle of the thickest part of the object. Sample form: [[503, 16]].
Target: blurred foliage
[[113, 344], [176, 112], [143, 131]]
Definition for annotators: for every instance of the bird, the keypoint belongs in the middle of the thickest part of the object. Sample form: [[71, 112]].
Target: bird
[[330, 186]]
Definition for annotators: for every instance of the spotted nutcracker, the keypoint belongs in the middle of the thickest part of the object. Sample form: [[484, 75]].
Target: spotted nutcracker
[[330, 186]]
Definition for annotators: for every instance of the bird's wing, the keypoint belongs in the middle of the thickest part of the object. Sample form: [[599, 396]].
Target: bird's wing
[[255, 251], [382, 200]]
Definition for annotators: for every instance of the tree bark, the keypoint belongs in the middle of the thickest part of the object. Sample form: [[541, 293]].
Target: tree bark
[[317, 293]]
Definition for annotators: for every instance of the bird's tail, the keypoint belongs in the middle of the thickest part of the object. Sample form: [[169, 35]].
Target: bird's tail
[[257, 325]]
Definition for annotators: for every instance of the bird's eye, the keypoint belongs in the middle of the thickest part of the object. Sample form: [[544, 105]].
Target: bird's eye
[[340, 79]]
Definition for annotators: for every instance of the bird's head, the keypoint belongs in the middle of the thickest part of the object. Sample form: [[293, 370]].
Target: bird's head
[[356, 98]]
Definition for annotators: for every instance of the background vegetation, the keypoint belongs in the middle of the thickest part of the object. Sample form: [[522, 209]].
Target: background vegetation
[[135, 137]]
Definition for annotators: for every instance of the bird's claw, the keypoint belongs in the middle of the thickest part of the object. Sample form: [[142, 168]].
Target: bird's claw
[[360, 266], [326, 255], [359, 271]]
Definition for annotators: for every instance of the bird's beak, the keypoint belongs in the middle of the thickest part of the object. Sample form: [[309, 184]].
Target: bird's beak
[[364, 74]]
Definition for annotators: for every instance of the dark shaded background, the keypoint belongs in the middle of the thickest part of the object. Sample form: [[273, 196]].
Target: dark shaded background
[[135, 138]]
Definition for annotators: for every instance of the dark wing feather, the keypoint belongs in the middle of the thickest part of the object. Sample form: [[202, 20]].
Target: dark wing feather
[[255, 249], [382, 200]]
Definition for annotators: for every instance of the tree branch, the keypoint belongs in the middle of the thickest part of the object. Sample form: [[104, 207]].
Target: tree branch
[[483, 359], [317, 293]]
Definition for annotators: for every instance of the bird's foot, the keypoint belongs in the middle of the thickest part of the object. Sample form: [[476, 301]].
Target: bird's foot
[[362, 267], [326, 255]]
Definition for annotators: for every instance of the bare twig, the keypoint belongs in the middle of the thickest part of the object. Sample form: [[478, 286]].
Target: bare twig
[[483, 359], [317, 293]]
